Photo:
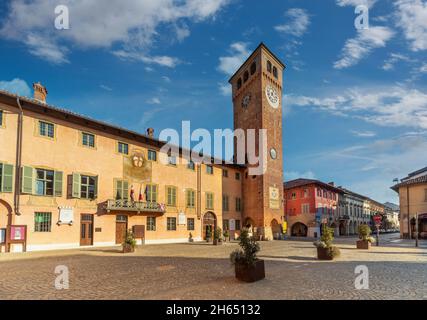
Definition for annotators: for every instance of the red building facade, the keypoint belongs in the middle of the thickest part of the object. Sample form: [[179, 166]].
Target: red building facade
[[308, 203]]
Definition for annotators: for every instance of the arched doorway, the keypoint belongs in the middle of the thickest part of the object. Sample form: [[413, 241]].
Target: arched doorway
[[276, 229], [209, 224], [343, 228], [299, 230], [5, 214]]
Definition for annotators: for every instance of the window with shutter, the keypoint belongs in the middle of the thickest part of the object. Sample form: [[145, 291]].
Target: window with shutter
[[171, 196], [190, 199], [151, 193], [121, 190], [6, 178]]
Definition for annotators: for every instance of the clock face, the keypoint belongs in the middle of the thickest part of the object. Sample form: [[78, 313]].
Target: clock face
[[246, 100], [272, 96], [273, 154]]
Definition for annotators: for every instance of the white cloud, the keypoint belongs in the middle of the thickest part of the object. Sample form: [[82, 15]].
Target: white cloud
[[355, 3], [239, 53], [423, 68], [225, 89], [166, 79], [164, 61], [106, 88], [362, 45], [393, 59], [412, 18], [132, 27], [389, 106], [363, 134], [298, 22], [16, 86], [154, 100], [292, 175]]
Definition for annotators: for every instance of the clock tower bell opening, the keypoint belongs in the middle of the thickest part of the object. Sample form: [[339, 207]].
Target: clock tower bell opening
[[257, 103]]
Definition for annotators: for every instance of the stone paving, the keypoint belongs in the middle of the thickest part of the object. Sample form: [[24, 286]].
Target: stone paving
[[202, 271]]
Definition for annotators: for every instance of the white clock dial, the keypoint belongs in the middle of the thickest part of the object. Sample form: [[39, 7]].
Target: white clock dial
[[273, 154], [246, 100], [272, 96]]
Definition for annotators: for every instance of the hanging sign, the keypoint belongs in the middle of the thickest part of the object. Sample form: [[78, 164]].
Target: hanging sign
[[232, 224]]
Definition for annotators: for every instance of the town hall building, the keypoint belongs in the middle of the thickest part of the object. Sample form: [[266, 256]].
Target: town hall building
[[67, 180]]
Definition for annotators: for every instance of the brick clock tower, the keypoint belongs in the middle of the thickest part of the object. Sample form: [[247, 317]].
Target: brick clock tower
[[257, 103]]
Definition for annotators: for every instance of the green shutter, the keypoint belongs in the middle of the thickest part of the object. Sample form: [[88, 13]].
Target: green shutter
[[27, 180], [58, 183], [125, 192], [76, 185], [7, 178]]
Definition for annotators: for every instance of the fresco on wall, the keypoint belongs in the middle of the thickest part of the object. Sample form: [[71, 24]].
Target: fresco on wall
[[136, 167]]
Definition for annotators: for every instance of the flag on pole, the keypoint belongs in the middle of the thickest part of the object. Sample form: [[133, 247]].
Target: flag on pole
[[132, 194], [140, 198]]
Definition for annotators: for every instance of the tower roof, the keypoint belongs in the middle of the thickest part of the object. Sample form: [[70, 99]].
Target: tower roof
[[261, 45]]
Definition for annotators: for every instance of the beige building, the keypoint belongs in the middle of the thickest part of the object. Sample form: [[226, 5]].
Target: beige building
[[413, 201], [68, 180]]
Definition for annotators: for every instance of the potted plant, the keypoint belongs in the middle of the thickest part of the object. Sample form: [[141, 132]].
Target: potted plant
[[208, 235], [248, 267], [129, 242], [190, 238], [217, 236], [226, 235], [365, 237], [325, 249]]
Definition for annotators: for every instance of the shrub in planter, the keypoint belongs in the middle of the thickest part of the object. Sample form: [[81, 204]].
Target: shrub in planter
[[248, 267], [365, 237], [129, 243], [217, 236], [325, 249]]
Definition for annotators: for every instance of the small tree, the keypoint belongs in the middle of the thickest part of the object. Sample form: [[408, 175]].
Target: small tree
[[130, 239], [326, 242], [218, 234], [249, 248], [365, 233], [208, 234], [226, 234]]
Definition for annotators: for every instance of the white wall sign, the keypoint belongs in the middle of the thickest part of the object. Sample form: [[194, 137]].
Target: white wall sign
[[66, 215], [182, 219], [232, 224]]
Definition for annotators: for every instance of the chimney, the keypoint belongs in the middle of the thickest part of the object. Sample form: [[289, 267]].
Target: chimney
[[40, 92], [150, 132]]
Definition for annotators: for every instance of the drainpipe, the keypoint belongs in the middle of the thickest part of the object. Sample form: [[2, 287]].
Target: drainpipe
[[18, 160]]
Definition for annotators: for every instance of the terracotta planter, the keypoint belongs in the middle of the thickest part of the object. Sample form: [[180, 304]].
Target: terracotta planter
[[322, 254], [127, 248], [250, 273], [363, 244]]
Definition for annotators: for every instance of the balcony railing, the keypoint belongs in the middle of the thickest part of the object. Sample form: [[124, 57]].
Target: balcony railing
[[134, 206]]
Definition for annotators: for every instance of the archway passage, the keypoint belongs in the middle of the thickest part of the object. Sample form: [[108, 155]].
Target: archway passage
[[5, 214], [299, 230], [209, 224]]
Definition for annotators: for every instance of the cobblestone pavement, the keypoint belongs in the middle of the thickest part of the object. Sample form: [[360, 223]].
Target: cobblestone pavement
[[397, 270]]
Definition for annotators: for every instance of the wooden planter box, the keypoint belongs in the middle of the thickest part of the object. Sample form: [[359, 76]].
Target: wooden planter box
[[250, 273], [217, 242], [363, 244], [322, 254], [127, 248]]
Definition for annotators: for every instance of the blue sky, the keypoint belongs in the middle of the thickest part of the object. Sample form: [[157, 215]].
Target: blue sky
[[355, 101]]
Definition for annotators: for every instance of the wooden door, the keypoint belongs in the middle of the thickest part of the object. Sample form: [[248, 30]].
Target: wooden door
[[121, 227], [86, 230]]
